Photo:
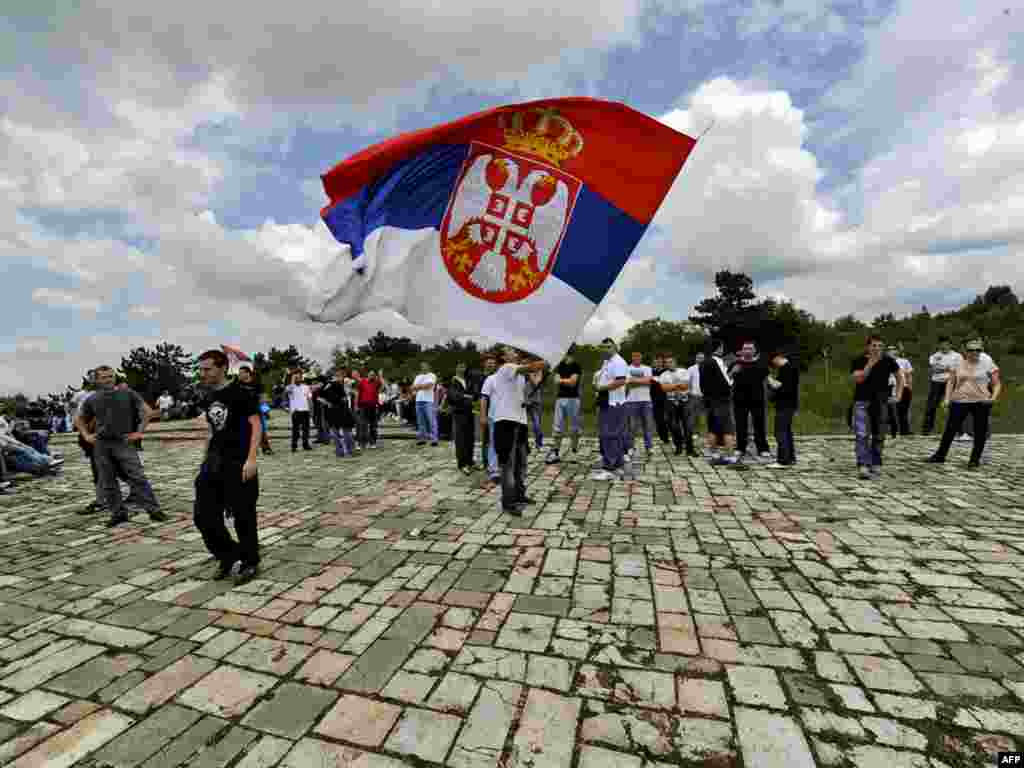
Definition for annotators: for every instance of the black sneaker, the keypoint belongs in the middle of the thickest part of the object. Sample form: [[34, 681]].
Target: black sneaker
[[89, 509], [514, 510], [158, 516], [224, 571], [935, 460], [973, 465], [247, 573], [307, 447], [433, 445], [526, 501], [679, 451], [117, 520], [421, 442]]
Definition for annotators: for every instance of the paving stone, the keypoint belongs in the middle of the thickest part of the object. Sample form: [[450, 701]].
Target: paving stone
[[290, 710], [986, 659], [314, 752], [164, 685], [183, 750], [758, 686], [769, 740], [67, 747], [25, 740], [32, 706], [227, 691], [358, 720], [424, 734], [371, 671], [147, 738], [480, 742], [702, 697], [547, 731]]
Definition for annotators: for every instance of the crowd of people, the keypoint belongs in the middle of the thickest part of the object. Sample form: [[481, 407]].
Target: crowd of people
[[722, 397]]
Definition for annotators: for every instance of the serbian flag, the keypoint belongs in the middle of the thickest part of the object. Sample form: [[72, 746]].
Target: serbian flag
[[235, 354], [510, 224]]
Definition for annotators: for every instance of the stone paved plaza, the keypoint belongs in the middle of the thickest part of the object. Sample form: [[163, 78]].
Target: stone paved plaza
[[699, 616]]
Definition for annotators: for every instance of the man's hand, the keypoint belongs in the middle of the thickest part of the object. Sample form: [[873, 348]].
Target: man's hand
[[248, 470], [90, 439], [131, 437]]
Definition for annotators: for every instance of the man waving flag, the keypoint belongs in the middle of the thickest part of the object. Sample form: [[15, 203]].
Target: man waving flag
[[512, 223]]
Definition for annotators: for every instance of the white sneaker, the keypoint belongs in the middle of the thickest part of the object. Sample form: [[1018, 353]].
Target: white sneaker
[[602, 474], [765, 456]]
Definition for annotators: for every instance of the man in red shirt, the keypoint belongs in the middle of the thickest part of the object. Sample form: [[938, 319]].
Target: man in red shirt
[[368, 404]]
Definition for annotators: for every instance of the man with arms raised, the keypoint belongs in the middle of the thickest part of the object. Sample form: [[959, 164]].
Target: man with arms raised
[[511, 439], [227, 483]]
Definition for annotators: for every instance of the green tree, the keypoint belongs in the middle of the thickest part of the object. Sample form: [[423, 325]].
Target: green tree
[[733, 295], [656, 335], [151, 371], [998, 295]]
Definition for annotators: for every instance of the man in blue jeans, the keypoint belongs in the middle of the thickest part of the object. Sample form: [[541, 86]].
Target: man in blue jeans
[[639, 405], [567, 406], [424, 387], [870, 373]]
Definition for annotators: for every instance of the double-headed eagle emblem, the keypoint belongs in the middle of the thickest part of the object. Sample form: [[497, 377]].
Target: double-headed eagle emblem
[[510, 210]]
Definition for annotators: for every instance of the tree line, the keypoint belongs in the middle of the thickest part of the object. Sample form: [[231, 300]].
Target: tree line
[[733, 314]]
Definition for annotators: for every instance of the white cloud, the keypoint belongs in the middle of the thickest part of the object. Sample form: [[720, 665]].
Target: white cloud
[[58, 298], [746, 199]]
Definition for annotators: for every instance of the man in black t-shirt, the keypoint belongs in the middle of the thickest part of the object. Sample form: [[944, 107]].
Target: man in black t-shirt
[[663, 412], [567, 406], [227, 483], [870, 373]]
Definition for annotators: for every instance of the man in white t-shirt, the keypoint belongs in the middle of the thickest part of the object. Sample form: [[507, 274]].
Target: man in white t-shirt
[[300, 398], [165, 402], [675, 383], [507, 399], [940, 365], [639, 407], [611, 388], [424, 386], [695, 405], [903, 406]]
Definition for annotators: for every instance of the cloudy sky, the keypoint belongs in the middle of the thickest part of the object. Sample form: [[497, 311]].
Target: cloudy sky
[[162, 160]]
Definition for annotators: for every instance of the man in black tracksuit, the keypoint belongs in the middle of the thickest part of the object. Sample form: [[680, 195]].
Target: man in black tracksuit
[[749, 375], [460, 399], [658, 400]]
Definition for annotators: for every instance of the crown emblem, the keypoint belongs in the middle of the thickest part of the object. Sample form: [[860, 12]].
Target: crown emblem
[[541, 132]]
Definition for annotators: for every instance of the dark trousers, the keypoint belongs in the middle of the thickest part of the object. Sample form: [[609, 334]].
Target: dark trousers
[[366, 428], [511, 443], [903, 411], [110, 457], [786, 447], [936, 392], [300, 421], [613, 426], [981, 413], [89, 451], [743, 412], [462, 425], [662, 417], [220, 490], [678, 424]]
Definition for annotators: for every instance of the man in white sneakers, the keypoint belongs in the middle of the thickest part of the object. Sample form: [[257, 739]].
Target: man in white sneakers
[[300, 398], [611, 389], [940, 365], [640, 408]]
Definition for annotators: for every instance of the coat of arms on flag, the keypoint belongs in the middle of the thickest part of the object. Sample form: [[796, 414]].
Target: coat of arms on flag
[[504, 225]]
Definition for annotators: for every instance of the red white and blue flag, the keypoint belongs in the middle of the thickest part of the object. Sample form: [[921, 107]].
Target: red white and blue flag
[[511, 223]]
